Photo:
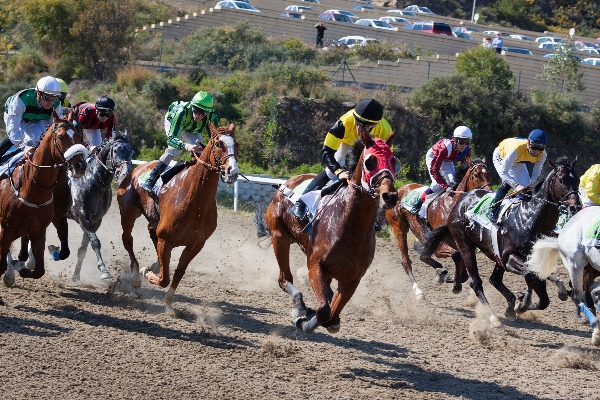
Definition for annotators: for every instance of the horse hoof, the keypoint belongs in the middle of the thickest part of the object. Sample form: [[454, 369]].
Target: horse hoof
[[105, 275], [9, 279], [136, 283], [596, 336], [495, 322], [420, 297], [334, 328], [297, 312], [510, 314], [155, 268], [144, 272], [76, 280], [457, 288], [297, 322], [441, 275], [580, 320]]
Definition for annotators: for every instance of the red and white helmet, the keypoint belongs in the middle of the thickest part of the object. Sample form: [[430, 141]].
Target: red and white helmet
[[463, 132], [48, 85]]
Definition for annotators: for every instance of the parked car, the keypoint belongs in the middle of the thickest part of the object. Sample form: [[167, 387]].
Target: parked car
[[544, 39], [462, 35], [348, 13], [592, 61], [554, 46], [290, 14], [419, 10], [238, 5], [395, 20], [329, 16], [590, 51], [504, 34], [402, 12], [364, 8], [517, 50], [375, 23], [520, 37], [312, 1], [580, 44], [598, 42], [431, 27], [298, 8], [551, 55], [352, 41], [464, 29]]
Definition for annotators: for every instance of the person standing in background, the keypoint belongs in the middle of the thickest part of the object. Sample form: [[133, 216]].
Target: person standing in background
[[321, 28], [498, 43]]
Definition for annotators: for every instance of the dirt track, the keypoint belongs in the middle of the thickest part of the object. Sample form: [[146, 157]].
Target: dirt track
[[231, 336]]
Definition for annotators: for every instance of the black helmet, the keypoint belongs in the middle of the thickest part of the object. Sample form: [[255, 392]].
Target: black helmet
[[368, 111], [106, 103]]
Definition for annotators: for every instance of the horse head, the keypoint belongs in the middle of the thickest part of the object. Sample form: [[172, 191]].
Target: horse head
[[564, 185], [223, 151], [63, 140], [476, 175], [116, 155], [377, 169]]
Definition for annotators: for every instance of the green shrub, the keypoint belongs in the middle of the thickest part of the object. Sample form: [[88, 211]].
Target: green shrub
[[25, 66], [160, 91], [385, 51]]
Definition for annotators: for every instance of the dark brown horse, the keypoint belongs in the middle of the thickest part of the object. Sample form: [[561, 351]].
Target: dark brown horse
[[27, 194], [474, 175], [342, 242], [510, 245], [186, 214]]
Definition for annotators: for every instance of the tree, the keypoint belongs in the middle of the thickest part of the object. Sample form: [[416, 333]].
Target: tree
[[484, 65], [49, 20], [562, 70]]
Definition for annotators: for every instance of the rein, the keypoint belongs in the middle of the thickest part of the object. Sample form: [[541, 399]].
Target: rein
[[218, 160]]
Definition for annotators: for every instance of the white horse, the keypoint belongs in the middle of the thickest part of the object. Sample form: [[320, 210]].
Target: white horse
[[576, 250]]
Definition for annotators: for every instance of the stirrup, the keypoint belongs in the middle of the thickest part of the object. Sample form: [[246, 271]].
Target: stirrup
[[415, 209], [147, 187], [299, 210], [493, 218]]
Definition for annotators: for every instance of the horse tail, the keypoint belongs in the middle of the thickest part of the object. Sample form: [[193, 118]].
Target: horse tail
[[260, 223], [544, 257], [432, 241]]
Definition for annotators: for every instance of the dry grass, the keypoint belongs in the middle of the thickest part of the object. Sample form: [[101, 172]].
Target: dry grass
[[134, 76]]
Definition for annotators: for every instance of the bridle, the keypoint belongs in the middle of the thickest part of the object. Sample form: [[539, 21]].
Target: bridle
[[115, 168], [563, 199], [218, 160], [473, 179]]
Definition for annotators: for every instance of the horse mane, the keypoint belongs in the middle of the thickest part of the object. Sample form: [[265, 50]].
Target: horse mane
[[462, 171], [354, 155]]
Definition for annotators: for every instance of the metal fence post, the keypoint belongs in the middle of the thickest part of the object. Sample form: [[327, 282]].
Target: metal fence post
[[235, 195], [428, 69], [519, 82]]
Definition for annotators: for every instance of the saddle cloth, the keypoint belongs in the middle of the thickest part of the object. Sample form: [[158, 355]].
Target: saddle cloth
[[159, 183], [411, 198], [10, 160], [591, 235], [313, 199], [479, 212]]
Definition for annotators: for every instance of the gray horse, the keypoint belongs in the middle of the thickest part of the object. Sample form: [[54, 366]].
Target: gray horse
[[92, 194]]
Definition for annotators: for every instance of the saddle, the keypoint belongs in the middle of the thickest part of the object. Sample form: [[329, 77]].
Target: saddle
[[174, 168]]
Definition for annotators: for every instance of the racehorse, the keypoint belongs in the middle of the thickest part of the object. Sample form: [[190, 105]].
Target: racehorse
[[523, 223], [27, 194], [341, 245], [579, 249], [473, 175], [92, 194], [185, 211]]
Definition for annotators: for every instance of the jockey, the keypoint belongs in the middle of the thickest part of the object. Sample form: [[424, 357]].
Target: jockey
[[589, 187], [184, 124], [64, 91], [367, 115], [440, 161], [509, 158], [28, 112], [93, 117]]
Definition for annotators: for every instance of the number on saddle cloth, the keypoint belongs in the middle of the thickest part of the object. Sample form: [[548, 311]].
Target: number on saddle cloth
[[411, 198]]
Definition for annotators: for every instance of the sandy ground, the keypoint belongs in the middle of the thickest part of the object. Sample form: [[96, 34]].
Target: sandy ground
[[231, 336]]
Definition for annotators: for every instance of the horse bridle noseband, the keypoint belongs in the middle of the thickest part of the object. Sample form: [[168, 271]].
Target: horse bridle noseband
[[472, 176], [218, 160], [116, 168], [560, 202]]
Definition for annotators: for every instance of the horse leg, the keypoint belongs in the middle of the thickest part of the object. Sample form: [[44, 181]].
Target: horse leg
[[281, 247], [496, 281], [6, 261], [539, 287], [460, 272], [24, 251], [81, 251], [37, 248], [128, 218], [320, 286], [578, 296], [187, 255], [89, 231], [400, 227], [164, 258], [563, 293], [341, 298], [62, 230]]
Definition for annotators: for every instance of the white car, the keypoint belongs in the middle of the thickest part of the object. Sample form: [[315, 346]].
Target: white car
[[551, 39], [375, 23], [352, 41], [298, 8], [590, 50], [344, 12], [504, 34], [520, 37], [238, 5], [394, 20], [402, 12], [592, 61], [419, 10]]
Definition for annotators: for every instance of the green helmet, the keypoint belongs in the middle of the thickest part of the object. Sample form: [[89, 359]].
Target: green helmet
[[63, 86], [203, 101]]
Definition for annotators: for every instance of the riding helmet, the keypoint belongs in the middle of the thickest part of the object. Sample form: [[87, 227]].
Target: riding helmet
[[48, 85], [64, 89], [368, 111], [203, 101], [463, 132], [106, 103], [538, 137]]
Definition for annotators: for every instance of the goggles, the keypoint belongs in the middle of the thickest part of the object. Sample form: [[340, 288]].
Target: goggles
[[537, 148], [463, 141], [48, 96], [104, 112]]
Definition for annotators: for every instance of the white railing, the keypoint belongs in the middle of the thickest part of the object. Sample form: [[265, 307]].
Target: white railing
[[235, 185]]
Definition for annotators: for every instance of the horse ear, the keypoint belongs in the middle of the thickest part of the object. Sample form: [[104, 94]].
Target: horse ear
[[71, 115], [55, 116], [552, 163], [231, 127], [483, 160], [390, 140], [574, 161], [211, 127]]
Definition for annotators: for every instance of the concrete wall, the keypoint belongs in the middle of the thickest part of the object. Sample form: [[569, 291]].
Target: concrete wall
[[248, 191]]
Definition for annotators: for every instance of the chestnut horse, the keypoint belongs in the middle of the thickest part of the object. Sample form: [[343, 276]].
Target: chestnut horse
[[523, 223], [341, 245], [27, 194], [473, 175], [185, 211]]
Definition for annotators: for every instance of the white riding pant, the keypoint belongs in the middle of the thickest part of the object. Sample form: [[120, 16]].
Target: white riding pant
[[187, 137], [447, 171], [340, 157], [94, 136], [32, 130], [518, 173], [585, 200]]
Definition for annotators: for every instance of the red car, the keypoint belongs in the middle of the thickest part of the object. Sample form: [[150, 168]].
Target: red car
[[335, 17], [431, 27]]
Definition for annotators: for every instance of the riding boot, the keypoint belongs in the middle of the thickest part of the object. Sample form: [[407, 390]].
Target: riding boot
[[299, 208], [495, 208], [5, 145], [154, 175], [417, 207]]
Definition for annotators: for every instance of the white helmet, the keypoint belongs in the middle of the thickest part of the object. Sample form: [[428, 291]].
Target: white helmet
[[463, 132], [48, 85]]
